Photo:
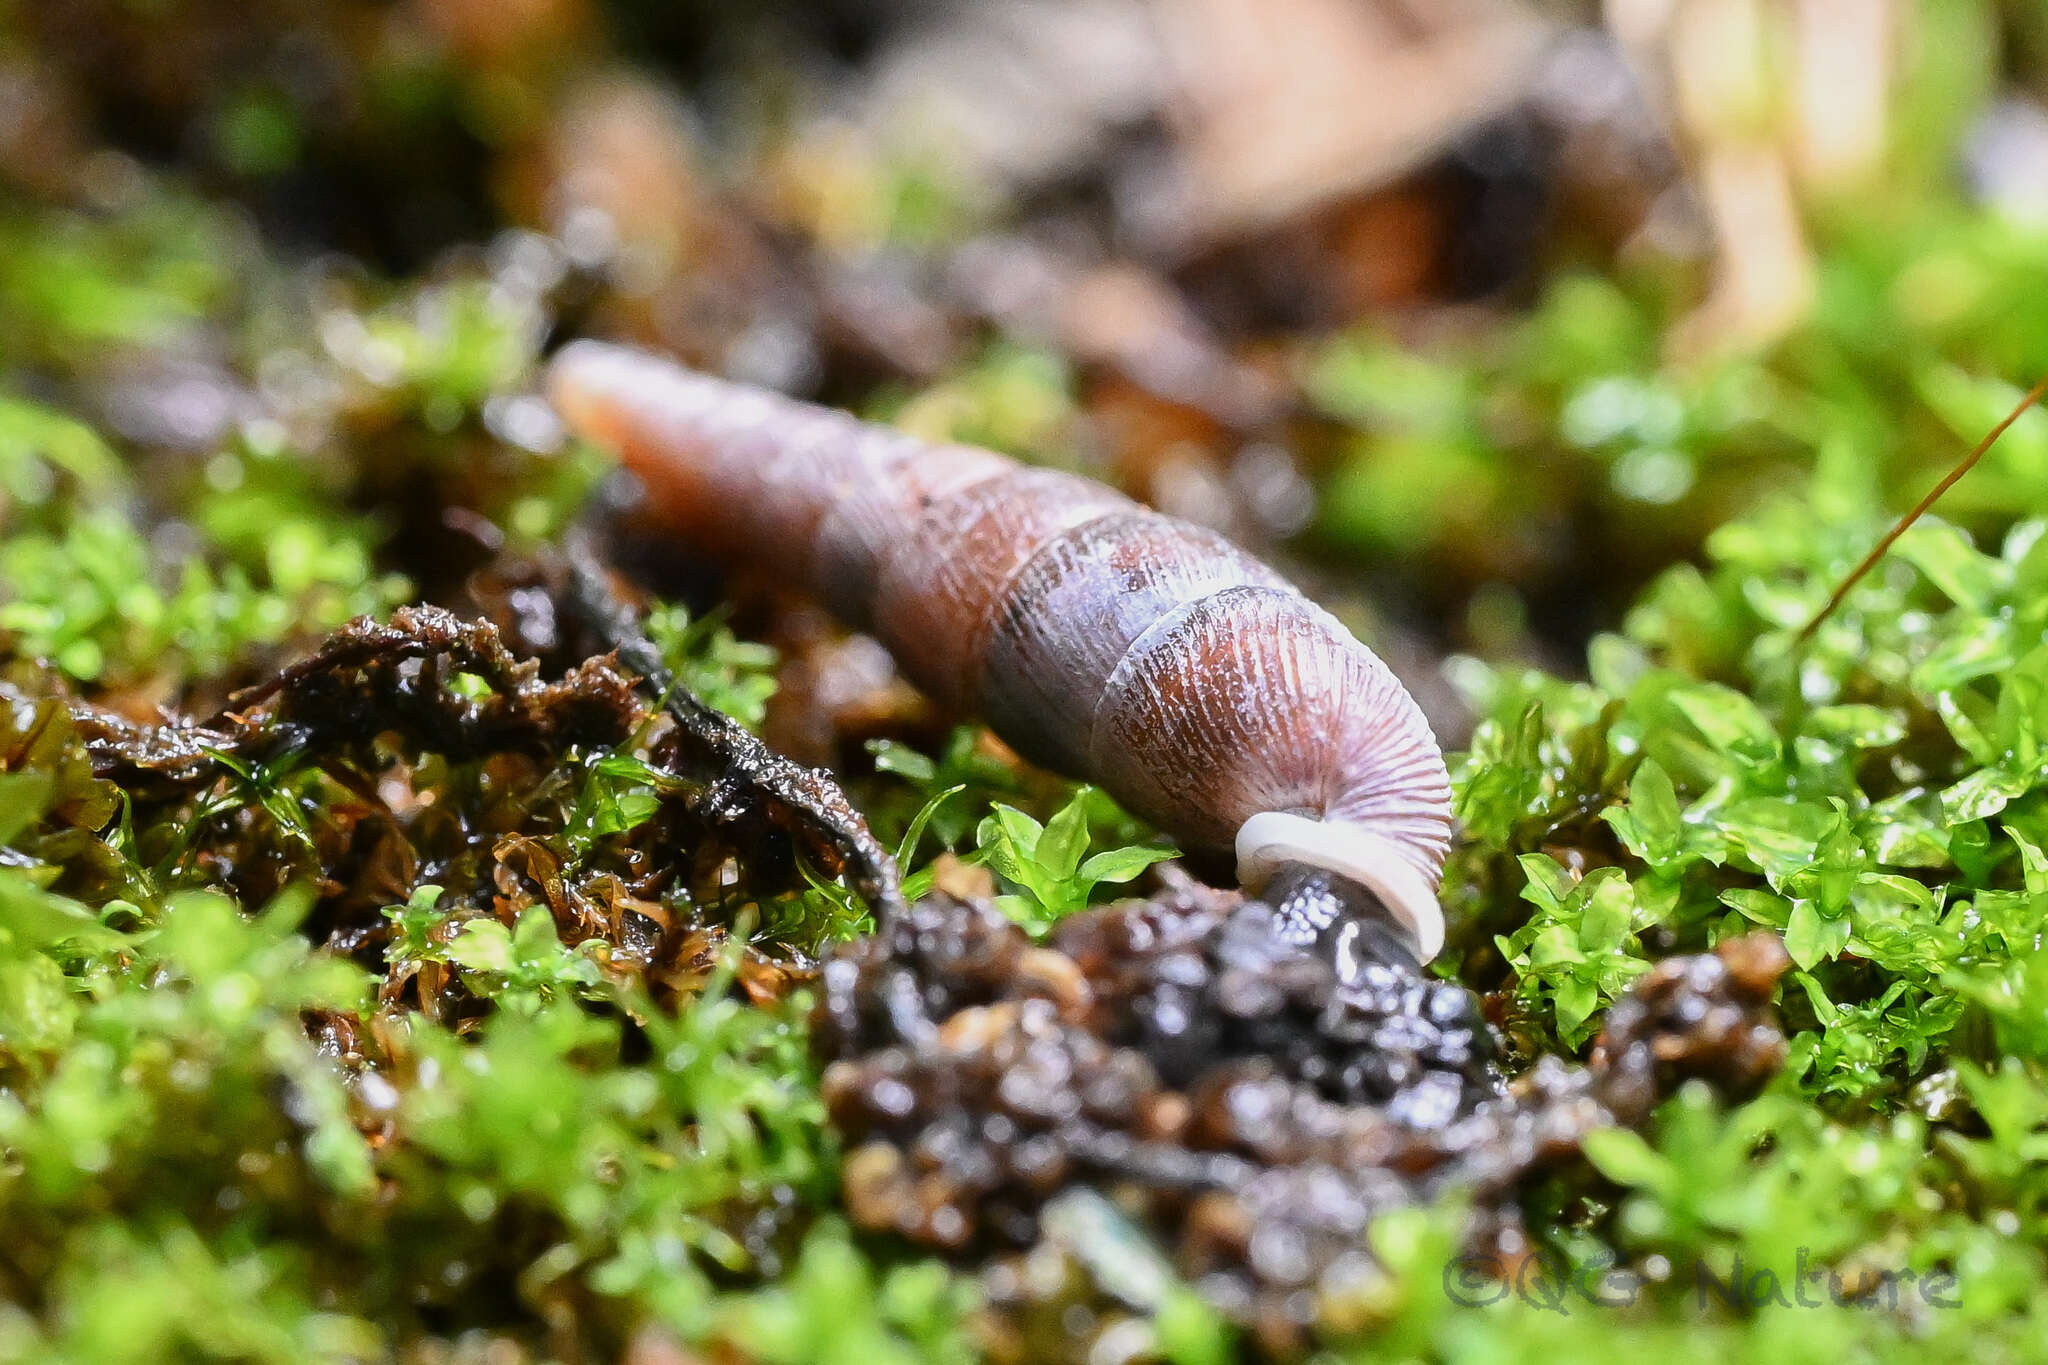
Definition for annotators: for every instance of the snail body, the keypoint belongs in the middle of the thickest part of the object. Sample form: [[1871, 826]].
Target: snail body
[[1097, 637]]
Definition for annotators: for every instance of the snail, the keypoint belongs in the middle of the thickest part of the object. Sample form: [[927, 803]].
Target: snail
[[1098, 638]]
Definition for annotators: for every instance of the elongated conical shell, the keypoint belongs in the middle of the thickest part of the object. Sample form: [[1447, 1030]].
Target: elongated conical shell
[[1100, 638]]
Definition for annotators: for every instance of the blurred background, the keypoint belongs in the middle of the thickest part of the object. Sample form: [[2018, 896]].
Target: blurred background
[[1544, 341], [1476, 312]]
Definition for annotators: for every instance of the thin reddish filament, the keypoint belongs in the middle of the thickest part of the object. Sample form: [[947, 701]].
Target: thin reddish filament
[[1969, 462]]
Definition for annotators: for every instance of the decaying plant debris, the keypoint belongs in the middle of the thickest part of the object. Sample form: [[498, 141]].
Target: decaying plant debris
[[381, 709], [1228, 1093]]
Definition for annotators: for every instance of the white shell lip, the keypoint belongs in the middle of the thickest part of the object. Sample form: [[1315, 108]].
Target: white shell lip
[[1272, 838]]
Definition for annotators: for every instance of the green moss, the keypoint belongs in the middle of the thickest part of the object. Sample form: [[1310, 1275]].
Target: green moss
[[74, 284], [101, 604], [734, 675], [1049, 864], [1875, 795]]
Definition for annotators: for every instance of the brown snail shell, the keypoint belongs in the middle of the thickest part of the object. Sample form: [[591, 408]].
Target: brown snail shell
[[1099, 638]]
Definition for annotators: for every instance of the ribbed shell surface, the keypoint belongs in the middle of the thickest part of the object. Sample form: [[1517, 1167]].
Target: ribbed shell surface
[[1099, 638]]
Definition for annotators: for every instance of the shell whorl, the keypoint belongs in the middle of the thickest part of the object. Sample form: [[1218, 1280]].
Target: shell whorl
[[1099, 638]]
